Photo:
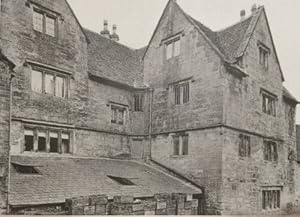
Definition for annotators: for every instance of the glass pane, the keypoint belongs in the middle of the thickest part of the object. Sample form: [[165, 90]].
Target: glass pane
[[169, 51], [36, 81], [185, 145], [50, 26], [42, 141], [176, 145], [29, 140], [38, 21], [65, 142], [49, 84], [121, 116], [61, 87], [177, 48], [53, 142]]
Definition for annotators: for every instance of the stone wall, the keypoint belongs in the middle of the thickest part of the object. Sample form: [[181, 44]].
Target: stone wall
[[197, 61], [161, 204], [202, 165], [4, 130]]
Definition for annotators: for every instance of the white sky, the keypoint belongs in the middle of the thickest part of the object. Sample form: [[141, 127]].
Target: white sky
[[137, 19]]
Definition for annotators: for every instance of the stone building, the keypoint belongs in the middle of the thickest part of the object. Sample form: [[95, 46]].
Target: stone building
[[204, 110]]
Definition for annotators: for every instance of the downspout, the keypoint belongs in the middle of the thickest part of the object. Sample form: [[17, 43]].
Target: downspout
[[150, 122], [9, 141]]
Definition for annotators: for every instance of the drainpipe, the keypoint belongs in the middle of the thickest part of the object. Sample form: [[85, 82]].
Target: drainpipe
[[150, 121], [9, 140]]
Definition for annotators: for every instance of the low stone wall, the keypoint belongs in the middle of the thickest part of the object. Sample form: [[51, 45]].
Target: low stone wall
[[160, 204]]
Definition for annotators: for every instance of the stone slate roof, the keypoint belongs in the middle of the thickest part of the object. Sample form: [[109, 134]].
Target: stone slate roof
[[63, 178], [286, 93], [232, 40], [112, 60]]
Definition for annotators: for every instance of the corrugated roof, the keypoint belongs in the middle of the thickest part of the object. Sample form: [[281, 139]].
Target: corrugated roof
[[112, 60], [63, 178]]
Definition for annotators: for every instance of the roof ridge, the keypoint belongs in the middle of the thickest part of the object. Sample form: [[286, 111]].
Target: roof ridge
[[234, 24], [117, 43]]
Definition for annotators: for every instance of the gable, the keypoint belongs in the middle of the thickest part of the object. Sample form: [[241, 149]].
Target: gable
[[260, 32]]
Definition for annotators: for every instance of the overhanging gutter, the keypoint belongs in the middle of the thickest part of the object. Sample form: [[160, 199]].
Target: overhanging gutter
[[115, 83], [236, 70]]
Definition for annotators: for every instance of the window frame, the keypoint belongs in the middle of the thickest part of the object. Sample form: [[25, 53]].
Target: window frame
[[138, 102], [38, 130], [45, 72], [271, 198], [180, 144], [244, 146], [269, 103], [117, 111], [270, 151], [172, 42], [263, 55], [45, 14], [182, 92]]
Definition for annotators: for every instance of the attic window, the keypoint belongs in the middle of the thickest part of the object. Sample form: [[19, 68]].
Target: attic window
[[264, 53], [26, 169], [172, 48], [121, 181]]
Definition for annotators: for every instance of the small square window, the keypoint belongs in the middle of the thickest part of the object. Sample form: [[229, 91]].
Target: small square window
[[244, 146], [182, 93], [180, 145], [172, 48], [138, 102], [270, 151], [44, 21], [268, 104]]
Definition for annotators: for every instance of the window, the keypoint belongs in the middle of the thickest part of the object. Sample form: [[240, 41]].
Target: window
[[38, 21], [65, 142], [47, 141], [244, 146], [269, 104], [53, 142], [270, 199], [263, 57], [25, 169], [121, 181], [61, 87], [42, 142], [29, 140], [117, 115], [138, 102], [270, 151], [182, 93], [49, 83], [173, 48], [180, 145], [264, 53], [37, 81], [44, 22]]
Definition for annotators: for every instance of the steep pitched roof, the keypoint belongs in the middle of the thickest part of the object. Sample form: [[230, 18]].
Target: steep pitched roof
[[63, 178], [112, 60], [286, 94]]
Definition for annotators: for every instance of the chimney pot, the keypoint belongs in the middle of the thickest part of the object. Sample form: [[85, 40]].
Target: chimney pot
[[114, 36], [253, 8], [105, 32], [243, 14]]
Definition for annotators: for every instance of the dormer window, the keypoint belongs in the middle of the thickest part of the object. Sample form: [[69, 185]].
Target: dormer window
[[44, 22], [172, 48]]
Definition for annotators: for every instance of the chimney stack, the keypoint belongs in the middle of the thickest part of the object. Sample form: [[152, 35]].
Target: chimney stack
[[105, 32], [243, 14], [114, 36], [253, 8]]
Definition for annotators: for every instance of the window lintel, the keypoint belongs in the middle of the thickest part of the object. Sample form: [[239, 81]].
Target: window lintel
[[268, 93], [263, 46], [172, 38]]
